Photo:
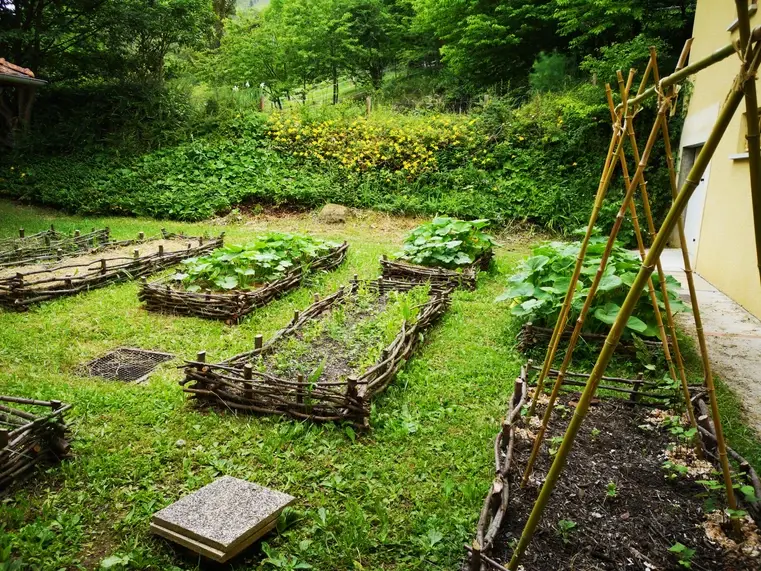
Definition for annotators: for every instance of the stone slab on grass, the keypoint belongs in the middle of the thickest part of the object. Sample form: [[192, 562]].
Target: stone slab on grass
[[333, 214], [222, 519]]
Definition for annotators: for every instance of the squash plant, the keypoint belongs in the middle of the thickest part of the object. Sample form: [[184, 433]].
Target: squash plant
[[538, 289], [267, 258], [447, 242]]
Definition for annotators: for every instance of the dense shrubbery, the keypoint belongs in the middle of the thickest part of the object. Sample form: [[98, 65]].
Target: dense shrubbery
[[538, 162]]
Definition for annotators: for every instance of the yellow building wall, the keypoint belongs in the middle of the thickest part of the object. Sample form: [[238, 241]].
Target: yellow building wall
[[726, 254]]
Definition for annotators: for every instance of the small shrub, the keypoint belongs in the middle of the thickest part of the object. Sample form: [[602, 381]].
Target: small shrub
[[241, 267], [447, 242]]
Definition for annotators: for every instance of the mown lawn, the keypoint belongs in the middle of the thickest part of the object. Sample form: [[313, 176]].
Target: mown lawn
[[406, 495]]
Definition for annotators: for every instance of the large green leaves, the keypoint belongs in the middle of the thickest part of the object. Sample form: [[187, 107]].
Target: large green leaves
[[539, 287], [236, 266], [447, 242]]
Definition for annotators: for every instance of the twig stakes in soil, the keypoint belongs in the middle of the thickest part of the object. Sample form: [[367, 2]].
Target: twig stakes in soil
[[732, 102]]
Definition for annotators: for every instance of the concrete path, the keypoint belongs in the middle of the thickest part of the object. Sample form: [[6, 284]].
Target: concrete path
[[733, 336]]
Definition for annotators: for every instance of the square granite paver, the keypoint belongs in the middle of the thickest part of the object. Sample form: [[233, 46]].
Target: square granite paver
[[223, 518]]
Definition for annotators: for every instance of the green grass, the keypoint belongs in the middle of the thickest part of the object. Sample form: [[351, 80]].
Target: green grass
[[406, 495]]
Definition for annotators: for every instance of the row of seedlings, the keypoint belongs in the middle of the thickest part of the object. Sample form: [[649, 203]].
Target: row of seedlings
[[118, 261], [633, 461], [32, 432], [444, 251], [331, 359], [49, 245], [230, 282]]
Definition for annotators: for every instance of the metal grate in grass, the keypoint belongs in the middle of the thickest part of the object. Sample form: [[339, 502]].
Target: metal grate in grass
[[125, 364]]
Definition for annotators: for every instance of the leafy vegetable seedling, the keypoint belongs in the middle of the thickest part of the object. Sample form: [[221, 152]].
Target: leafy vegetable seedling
[[564, 529], [683, 553]]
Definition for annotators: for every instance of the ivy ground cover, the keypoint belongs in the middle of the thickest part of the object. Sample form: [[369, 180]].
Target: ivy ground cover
[[405, 496]]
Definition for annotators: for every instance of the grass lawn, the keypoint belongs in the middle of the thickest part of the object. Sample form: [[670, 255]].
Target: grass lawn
[[406, 495]]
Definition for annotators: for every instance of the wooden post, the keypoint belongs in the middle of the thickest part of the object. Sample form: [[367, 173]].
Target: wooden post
[[299, 389], [47, 241], [59, 253], [201, 358], [141, 236], [475, 557], [637, 385], [76, 233], [296, 315], [161, 249], [4, 439], [136, 253], [258, 342], [103, 265], [55, 404], [351, 390], [316, 297], [20, 232], [248, 370]]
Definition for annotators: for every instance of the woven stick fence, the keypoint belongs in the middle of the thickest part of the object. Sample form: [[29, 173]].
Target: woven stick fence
[[531, 335], [234, 384], [27, 439], [231, 307], [49, 245], [495, 511], [19, 291], [465, 278]]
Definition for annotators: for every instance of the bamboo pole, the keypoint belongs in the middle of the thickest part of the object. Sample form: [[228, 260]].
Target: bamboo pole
[[628, 204], [659, 266], [691, 182], [752, 136], [613, 148]]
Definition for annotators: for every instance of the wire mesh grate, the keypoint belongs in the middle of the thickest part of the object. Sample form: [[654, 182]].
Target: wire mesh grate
[[125, 364]]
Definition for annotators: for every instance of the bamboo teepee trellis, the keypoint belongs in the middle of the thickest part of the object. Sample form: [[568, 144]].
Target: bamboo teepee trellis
[[749, 50]]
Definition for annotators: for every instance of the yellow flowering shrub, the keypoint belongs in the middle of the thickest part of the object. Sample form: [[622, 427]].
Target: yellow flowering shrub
[[412, 145]]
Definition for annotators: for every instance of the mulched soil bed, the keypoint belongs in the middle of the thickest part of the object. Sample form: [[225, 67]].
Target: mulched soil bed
[[464, 277], [634, 529], [121, 261], [166, 296], [322, 372]]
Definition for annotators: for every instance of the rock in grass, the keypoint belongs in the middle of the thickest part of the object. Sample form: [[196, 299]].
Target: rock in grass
[[333, 214]]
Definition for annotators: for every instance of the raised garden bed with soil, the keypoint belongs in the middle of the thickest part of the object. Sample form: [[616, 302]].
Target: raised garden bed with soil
[[615, 505], [49, 245], [32, 432], [331, 360], [464, 277], [120, 261], [168, 296]]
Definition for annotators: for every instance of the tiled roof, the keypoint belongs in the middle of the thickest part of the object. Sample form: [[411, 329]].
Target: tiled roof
[[7, 68]]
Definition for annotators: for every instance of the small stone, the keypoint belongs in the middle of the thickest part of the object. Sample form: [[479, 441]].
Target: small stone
[[333, 214], [180, 443], [625, 516]]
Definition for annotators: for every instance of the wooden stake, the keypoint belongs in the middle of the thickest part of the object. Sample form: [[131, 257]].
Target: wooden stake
[[20, 232], [258, 342]]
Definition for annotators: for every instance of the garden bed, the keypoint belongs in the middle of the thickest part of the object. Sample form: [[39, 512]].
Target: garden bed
[[530, 336], [615, 506], [49, 245], [120, 261], [164, 296], [32, 435], [331, 360], [464, 277]]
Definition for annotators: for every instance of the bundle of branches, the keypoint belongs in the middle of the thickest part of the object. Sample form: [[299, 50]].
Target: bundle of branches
[[309, 370], [170, 297], [119, 261], [464, 277], [49, 245], [28, 439], [531, 335]]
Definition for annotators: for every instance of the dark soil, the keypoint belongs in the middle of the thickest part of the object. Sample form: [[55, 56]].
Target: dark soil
[[334, 355], [633, 530]]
